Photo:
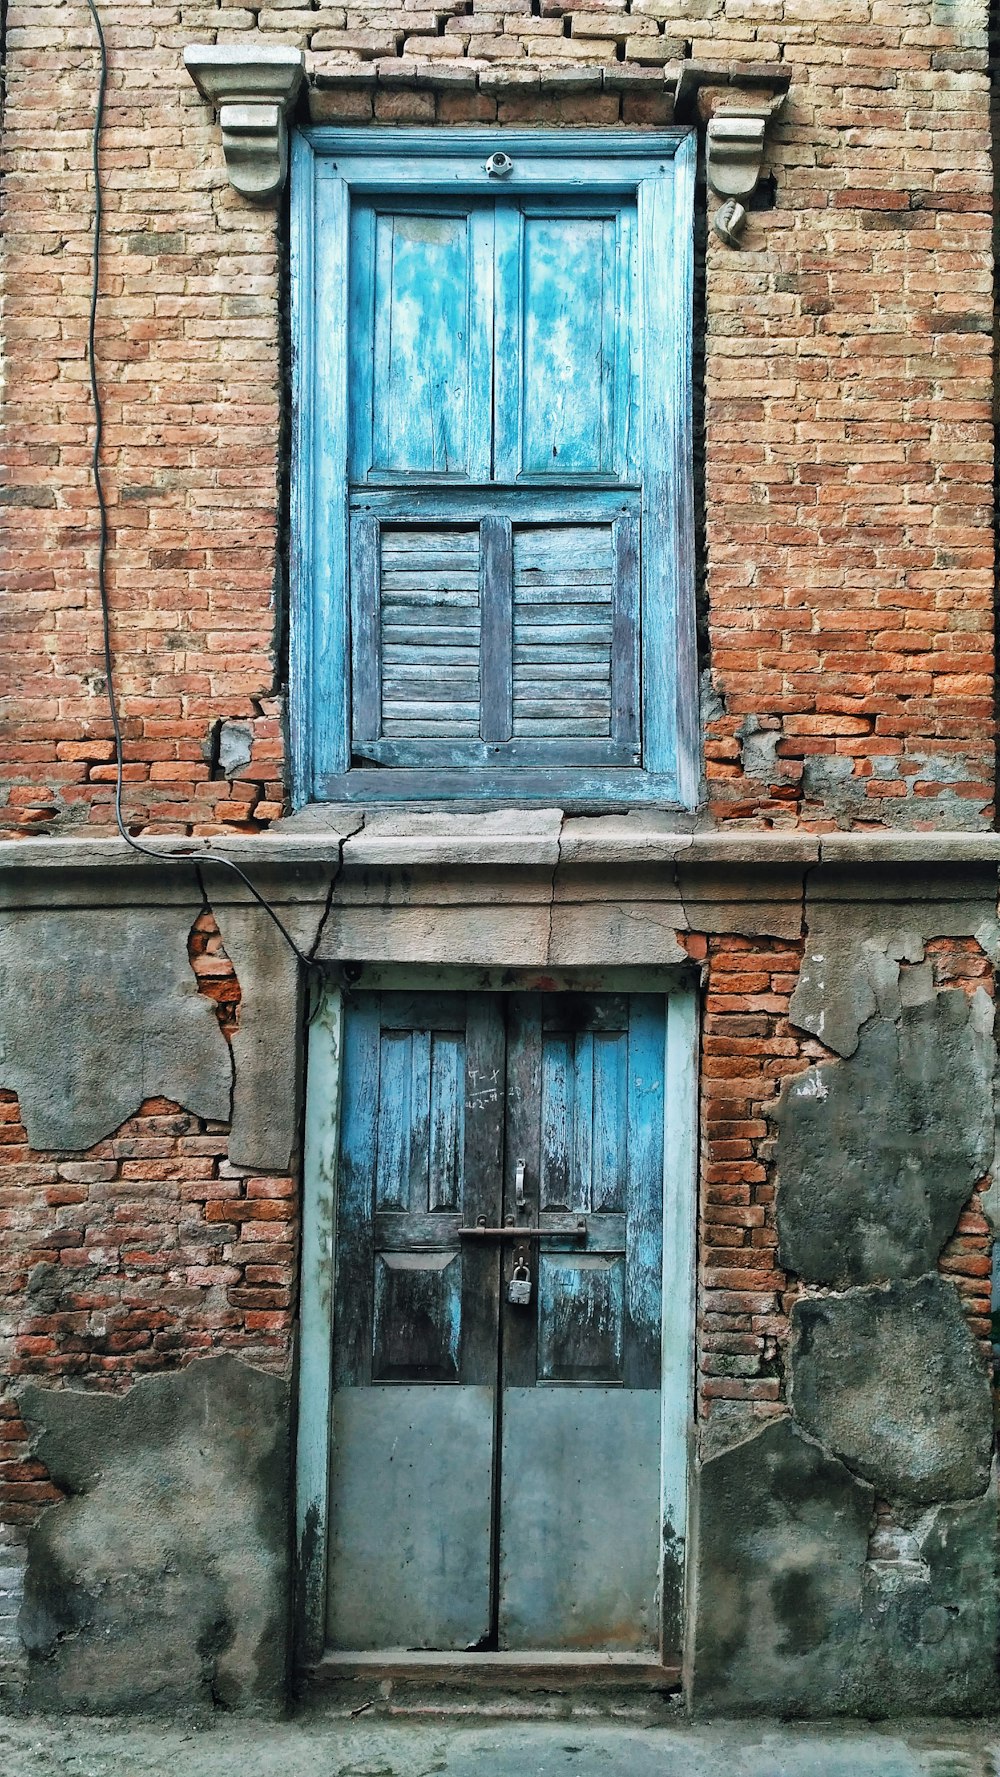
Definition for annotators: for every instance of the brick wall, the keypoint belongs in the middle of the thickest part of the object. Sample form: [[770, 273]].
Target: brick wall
[[150, 1249], [140, 1254], [848, 550]]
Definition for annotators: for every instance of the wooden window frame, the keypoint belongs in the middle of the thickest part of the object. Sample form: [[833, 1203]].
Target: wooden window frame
[[328, 167]]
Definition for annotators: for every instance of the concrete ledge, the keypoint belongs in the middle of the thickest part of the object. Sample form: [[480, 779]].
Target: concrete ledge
[[509, 837]]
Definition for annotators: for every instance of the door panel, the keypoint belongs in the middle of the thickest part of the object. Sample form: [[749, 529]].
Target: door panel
[[494, 1467], [565, 360], [579, 1475], [421, 341], [411, 1476], [580, 1519], [569, 340]]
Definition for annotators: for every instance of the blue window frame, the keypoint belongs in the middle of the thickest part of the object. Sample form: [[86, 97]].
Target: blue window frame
[[492, 561]]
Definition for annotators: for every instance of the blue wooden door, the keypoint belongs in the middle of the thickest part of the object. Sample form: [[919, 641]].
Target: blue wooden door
[[495, 1465]]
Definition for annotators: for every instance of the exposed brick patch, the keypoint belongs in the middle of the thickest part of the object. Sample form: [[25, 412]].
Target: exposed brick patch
[[215, 974], [748, 1048], [968, 1261], [139, 1255]]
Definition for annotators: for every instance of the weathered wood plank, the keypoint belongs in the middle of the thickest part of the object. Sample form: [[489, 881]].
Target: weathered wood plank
[[496, 597], [625, 632], [447, 745], [366, 697], [447, 1120], [424, 295]]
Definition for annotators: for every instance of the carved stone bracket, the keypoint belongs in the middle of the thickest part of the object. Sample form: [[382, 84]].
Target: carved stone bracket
[[253, 88], [736, 106]]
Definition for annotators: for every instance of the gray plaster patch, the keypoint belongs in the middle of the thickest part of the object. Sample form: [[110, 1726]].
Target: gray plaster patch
[[782, 1534], [850, 969], [877, 1155], [891, 1381], [267, 1045], [99, 1011], [235, 747], [930, 1621], [161, 1582]]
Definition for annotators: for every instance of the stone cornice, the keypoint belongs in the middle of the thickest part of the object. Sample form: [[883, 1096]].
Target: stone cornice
[[252, 86], [735, 104], [473, 841]]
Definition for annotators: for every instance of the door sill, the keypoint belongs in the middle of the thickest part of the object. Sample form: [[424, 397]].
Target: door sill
[[511, 1670]]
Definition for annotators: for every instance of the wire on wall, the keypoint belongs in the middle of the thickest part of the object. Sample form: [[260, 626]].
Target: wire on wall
[[148, 851]]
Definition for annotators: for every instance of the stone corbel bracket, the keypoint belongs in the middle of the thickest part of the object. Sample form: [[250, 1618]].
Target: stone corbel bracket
[[253, 87], [736, 107]]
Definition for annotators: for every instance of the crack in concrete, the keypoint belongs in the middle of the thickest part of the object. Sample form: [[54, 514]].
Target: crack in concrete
[[338, 871], [552, 888]]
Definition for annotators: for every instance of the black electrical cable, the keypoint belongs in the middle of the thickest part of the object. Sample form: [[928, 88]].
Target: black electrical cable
[[201, 856]]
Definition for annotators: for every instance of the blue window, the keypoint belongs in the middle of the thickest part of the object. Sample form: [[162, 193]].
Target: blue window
[[492, 588]]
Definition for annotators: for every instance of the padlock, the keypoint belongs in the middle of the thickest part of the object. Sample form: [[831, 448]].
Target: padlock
[[519, 1287]]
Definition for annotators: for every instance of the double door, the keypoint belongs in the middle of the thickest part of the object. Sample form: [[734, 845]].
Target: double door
[[495, 1452]]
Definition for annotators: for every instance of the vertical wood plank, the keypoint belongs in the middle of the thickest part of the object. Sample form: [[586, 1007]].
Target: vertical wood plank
[[496, 597], [508, 343], [326, 585], [315, 1376], [420, 1119], [643, 1105], [366, 641], [392, 1164], [669, 658], [557, 1122], [583, 1121], [611, 1160], [357, 1158], [480, 332], [680, 1208], [627, 419], [482, 1185], [359, 340], [447, 1121], [625, 631]]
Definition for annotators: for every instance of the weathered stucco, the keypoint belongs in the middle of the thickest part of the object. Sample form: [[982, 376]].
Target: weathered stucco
[[162, 1580], [803, 1609], [782, 1534], [890, 1380], [99, 1010], [860, 929], [878, 1154], [267, 1044]]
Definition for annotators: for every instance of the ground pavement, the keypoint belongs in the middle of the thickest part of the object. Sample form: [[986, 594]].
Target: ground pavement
[[321, 1746]]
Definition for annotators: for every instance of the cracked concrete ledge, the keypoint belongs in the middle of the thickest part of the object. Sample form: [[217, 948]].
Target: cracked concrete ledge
[[314, 840]]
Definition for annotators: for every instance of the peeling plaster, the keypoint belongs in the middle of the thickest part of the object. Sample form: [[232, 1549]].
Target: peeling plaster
[[890, 1381], [100, 1010], [877, 1155]]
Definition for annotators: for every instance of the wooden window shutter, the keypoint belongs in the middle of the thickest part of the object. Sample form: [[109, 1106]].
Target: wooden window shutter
[[511, 471]]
